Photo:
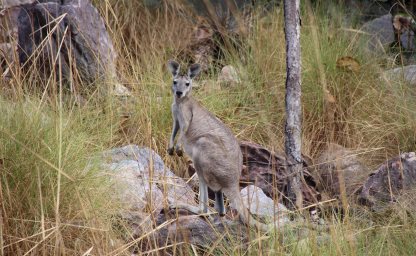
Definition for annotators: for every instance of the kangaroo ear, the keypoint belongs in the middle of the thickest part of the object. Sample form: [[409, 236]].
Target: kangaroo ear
[[173, 67], [194, 70]]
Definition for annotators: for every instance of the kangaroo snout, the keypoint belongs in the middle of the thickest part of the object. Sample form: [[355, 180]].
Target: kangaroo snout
[[179, 93]]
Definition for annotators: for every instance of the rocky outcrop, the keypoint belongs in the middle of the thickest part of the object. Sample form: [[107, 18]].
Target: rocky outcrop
[[71, 29], [202, 231], [391, 180], [147, 190]]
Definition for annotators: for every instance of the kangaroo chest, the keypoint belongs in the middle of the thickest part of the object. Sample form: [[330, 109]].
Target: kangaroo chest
[[183, 115]]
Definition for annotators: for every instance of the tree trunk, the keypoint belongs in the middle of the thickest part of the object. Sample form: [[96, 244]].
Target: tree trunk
[[293, 100]]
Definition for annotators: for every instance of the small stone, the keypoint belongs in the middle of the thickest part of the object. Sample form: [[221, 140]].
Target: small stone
[[121, 90], [229, 75]]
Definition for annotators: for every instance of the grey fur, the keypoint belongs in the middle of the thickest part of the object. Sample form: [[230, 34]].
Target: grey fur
[[211, 145]]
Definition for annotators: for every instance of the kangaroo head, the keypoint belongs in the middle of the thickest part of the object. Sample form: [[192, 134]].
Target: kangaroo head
[[182, 83]]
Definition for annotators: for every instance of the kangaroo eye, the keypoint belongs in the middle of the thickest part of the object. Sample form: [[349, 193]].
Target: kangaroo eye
[[187, 83], [175, 82]]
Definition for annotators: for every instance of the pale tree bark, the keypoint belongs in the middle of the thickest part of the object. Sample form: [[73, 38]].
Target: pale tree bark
[[293, 100]]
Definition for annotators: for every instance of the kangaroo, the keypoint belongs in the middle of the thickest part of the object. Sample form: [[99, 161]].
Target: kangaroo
[[210, 144]]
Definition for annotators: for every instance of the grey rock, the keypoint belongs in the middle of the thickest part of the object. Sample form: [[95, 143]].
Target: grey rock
[[365, 10], [407, 40], [192, 229], [145, 156], [263, 206], [198, 231], [9, 20], [141, 179], [406, 74], [392, 179], [338, 163], [380, 33], [120, 90], [138, 222], [86, 39], [229, 76], [134, 188], [93, 48]]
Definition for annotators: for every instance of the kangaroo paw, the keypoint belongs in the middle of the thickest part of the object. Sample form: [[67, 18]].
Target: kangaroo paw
[[179, 151], [170, 151]]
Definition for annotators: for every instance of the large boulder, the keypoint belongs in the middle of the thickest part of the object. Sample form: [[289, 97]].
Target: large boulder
[[385, 32], [394, 178], [142, 182], [380, 32], [338, 168], [70, 29]]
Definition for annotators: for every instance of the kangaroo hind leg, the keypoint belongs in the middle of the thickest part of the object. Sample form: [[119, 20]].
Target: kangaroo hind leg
[[219, 203], [203, 195]]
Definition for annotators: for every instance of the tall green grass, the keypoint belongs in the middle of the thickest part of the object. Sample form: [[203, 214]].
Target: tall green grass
[[52, 193]]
